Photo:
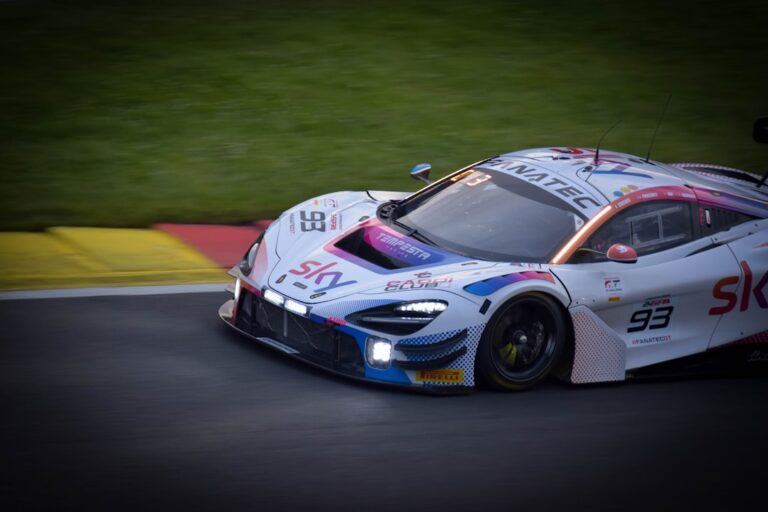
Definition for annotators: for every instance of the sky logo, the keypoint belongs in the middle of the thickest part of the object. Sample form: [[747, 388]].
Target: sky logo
[[321, 274]]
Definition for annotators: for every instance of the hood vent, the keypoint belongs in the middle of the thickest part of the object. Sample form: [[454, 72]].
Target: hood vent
[[355, 244]]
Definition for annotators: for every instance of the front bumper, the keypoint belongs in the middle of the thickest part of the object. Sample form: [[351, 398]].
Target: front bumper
[[333, 347], [318, 344]]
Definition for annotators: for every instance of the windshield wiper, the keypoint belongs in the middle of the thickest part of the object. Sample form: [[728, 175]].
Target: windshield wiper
[[387, 210], [414, 233]]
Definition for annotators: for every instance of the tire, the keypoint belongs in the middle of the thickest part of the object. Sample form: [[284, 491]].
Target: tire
[[524, 342]]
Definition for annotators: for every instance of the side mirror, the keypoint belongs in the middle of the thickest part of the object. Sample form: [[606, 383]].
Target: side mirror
[[421, 172], [621, 253], [760, 131]]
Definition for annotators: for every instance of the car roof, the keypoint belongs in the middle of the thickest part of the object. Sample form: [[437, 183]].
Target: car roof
[[615, 174]]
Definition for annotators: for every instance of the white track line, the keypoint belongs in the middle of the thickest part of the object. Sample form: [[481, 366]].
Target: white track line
[[67, 293]]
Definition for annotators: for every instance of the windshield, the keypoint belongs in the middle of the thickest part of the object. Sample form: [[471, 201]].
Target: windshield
[[491, 215]]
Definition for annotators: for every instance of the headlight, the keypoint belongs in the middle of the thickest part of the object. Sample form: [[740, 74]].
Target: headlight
[[429, 307], [378, 352], [295, 307], [399, 318], [249, 258], [289, 304], [273, 297]]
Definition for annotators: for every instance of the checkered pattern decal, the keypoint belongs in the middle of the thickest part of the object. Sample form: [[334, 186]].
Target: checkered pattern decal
[[755, 339], [465, 362], [600, 354], [702, 169]]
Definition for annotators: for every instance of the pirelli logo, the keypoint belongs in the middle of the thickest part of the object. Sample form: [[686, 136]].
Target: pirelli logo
[[447, 375]]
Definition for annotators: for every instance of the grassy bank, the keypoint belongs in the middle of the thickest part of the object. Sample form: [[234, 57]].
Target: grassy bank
[[133, 112]]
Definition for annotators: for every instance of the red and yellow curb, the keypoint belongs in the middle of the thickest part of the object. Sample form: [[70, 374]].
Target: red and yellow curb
[[66, 257]]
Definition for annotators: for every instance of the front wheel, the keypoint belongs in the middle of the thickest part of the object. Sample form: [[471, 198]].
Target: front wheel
[[523, 343]]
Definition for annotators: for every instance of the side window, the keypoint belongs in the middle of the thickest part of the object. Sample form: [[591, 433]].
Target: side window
[[648, 228], [714, 220]]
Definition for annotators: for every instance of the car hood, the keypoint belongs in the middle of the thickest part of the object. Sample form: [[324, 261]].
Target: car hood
[[335, 246]]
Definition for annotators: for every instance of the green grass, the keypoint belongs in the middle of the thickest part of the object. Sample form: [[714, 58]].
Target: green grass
[[133, 112]]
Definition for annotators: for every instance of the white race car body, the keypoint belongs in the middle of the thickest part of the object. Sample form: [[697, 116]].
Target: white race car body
[[696, 284]]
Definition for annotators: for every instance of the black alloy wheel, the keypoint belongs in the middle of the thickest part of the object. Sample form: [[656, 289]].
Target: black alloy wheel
[[523, 343]]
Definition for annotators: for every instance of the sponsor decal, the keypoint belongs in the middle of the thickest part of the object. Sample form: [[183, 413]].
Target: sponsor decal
[[612, 284], [328, 202], [615, 298], [605, 156], [625, 190], [399, 248], [300, 285], [321, 274], [568, 151], [720, 292], [657, 301], [448, 375], [656, 313], [662, 192], [410, 284], [281, 279], [651, 341], [334, 223], [548, 181], [423, 275], [316, 295], [364, 217]]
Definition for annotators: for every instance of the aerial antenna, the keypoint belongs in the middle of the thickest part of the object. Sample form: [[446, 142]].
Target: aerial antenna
[[760, 134], [597, 150], [653, 139]]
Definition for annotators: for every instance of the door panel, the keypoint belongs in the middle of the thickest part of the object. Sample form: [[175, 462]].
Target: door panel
[[739, 299], [657, 305]]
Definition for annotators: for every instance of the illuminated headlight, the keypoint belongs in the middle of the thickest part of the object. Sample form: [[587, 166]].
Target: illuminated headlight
[[238, 287], [295, 307], [428, 307], [378, 352], [399, 318], [273, 297]]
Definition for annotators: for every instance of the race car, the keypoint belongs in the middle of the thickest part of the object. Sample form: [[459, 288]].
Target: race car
[[581, 264]]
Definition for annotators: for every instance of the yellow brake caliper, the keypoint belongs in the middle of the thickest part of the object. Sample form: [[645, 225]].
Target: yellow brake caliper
[[509, 353]]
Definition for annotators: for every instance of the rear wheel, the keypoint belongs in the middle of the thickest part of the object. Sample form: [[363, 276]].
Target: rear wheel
[[523, 343]]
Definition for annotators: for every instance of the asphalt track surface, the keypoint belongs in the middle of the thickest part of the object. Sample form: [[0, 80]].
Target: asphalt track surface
[[150, 403]]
